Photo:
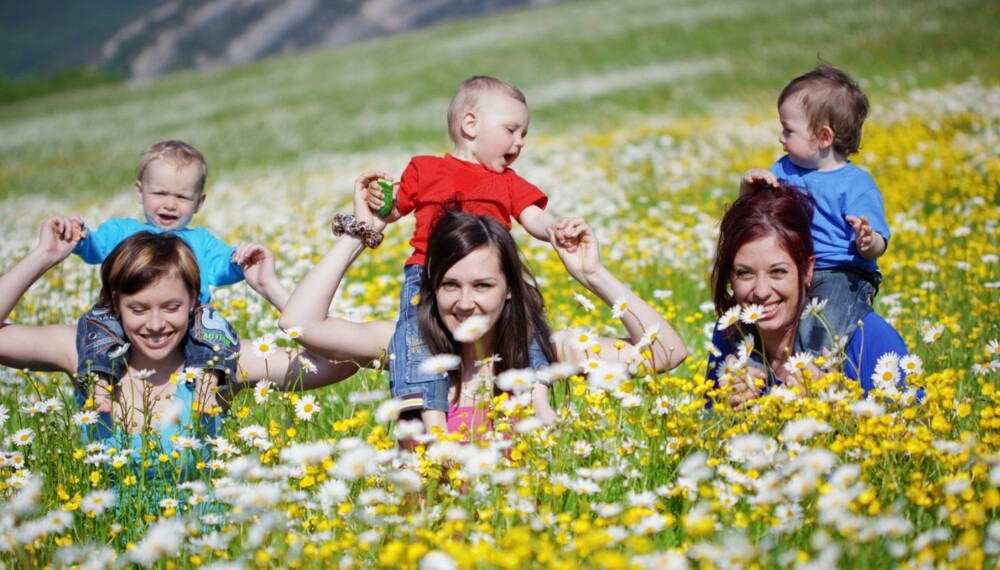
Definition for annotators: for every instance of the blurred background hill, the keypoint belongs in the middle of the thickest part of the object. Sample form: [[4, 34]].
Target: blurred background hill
[[66, 44]]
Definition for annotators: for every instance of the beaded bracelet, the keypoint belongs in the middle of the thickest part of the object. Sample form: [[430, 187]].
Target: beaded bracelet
[[347, 224]]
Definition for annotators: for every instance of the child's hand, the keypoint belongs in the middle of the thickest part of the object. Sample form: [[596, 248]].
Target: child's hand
[[870, 244], [368, 198], [862, 232], [59, 236], [567, 232], [756, 176], [578, 249], [375, 197]]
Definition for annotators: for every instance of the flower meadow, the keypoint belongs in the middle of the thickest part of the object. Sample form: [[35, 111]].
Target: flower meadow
[[638, 472]]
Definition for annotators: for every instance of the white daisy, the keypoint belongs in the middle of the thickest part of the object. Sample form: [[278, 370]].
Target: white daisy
[[292, 333], [85, 418], [620, 306], [263, 346], [262, 390], [306, 407], [471, 329], [729, 318], [440, 363], [23, 437], [584, 302], [751, 313], [517, 380]]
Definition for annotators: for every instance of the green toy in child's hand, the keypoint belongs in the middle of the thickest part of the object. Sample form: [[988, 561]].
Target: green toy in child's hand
[[386, 208]]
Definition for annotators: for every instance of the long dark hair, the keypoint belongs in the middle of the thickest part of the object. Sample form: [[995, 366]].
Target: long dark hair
[[785, 212], [522, 319]]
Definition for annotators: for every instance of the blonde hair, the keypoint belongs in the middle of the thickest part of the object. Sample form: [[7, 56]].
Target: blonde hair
[[177, 152], [468, 96]]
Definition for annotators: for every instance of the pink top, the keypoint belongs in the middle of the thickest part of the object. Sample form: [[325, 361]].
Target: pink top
[[471, 416]]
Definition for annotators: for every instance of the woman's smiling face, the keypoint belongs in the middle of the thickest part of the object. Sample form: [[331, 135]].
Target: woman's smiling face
[[156, 319], [475, 285], [765, 274]]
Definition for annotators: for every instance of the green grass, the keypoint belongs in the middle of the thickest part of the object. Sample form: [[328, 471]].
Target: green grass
[[584, 66]]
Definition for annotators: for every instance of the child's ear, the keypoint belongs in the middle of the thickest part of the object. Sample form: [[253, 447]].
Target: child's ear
[[199, 202], [470, 125], [138, 191], [826, 136]]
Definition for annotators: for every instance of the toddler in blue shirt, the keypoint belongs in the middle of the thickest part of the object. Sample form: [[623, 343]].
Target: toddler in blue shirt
[[822, 113], [170, 184]]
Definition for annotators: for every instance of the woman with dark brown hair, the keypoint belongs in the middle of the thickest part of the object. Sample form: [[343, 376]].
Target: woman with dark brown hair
[[477, 300]]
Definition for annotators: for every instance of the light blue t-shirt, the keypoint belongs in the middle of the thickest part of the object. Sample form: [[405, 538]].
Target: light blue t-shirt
[[113, 437], [848, 190], [212, 254]]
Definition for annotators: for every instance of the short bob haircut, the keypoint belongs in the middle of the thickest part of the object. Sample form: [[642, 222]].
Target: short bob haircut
[[784, 212], [468, 97], [831, 98], [143, 259], [522, 319]]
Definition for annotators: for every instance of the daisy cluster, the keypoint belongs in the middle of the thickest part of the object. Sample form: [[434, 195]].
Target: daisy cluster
[[639, 471]]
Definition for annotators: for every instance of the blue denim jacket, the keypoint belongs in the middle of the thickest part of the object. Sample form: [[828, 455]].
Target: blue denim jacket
[[211, 343]]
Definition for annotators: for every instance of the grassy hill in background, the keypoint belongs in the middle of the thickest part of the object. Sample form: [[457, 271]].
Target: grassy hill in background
[[584, 66]]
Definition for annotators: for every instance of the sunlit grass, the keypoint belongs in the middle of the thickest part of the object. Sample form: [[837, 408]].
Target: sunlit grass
[[643, 476]]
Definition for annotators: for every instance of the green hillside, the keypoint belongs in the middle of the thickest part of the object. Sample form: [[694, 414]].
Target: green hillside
[[584, 65]]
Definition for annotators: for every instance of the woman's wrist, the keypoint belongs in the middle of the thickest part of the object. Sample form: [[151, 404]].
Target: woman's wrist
[[605, 285], [346, 224]]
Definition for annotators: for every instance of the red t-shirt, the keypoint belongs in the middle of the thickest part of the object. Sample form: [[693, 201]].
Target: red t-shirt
[[432, 184]]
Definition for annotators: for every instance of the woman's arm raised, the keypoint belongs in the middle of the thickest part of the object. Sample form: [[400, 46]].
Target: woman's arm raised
[[39, 348], [337, 339], [579, 251]]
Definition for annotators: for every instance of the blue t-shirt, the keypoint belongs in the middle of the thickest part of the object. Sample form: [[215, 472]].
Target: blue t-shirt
[[212, 254], [848, 190], [867, 344], [113, 437]]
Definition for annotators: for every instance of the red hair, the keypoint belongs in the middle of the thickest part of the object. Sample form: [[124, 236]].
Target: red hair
[[784, 212]]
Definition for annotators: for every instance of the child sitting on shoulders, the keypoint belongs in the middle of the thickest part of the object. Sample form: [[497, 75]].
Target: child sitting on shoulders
[[822, 113], [487, 122], [170, 186]]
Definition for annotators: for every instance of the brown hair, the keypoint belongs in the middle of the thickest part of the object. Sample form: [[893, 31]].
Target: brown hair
[[141, 260], [831, 98], [468, 96], [177, 152], [522, 318], [784, 212]]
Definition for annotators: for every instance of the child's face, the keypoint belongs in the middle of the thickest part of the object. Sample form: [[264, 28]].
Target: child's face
[[796, 138], [498, 131], [169, 194]]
